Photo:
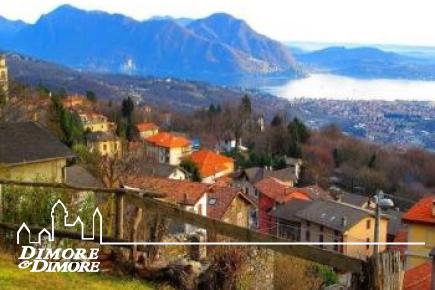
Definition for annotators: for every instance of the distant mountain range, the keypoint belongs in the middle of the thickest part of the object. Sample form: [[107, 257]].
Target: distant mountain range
[[163, 46], [366, 62]]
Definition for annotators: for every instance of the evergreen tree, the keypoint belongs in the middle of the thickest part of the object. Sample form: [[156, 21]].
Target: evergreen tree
[[91, 96], [192, 169]]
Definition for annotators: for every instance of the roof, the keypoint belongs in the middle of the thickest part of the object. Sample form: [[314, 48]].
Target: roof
[[101, 136], [255, 174], [28, 142], [158, 169], [77, 175], [168, 140], [332, 214], [220, 199], [288, 210], [143, 127], [418, 278], [210, 163], [421, 212], [278, 190], [181, 192], [315, 192], [354, 199]]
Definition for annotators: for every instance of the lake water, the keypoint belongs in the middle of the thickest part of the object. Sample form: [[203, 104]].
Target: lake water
[[325, 86]]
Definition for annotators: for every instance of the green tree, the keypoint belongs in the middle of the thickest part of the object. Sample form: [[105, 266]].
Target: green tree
[[276, 121], [91, 96], [298, 131], [127, 108], [192, 169]]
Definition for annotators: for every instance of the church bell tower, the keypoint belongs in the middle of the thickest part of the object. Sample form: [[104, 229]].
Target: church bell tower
[[4, 81]]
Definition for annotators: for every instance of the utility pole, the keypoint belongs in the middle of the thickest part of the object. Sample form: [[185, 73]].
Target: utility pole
[[378, 197], [381, 202]]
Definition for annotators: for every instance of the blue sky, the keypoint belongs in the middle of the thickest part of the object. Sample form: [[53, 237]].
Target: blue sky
[[344, 21]]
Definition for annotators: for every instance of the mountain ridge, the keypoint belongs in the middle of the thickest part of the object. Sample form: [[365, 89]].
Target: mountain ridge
[[99, 41]]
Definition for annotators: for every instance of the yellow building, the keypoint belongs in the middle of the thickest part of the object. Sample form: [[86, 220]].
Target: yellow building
[[93, 122], [147, 130], [4, 81], [329, 221], [105, 143], [29, 152], [420, 224], [168, 148]]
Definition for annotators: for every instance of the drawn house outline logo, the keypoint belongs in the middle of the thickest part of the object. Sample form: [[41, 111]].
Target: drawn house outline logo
[[50, 234]]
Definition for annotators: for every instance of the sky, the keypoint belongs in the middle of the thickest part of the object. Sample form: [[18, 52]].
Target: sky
[[409, 22]]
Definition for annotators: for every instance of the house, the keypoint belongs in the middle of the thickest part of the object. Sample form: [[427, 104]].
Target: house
[[355, 200], [73, 101], [105, 143], [228, 144], [78, 176], [230, 205], [420, 225], [295, 164], [168, 148], [147, 130], [191, 196], [330, 221], [246, 178], [418, 277], [94, 122], [163, 170], [272, 192], [211, 165], [288, 224], [30, 152]]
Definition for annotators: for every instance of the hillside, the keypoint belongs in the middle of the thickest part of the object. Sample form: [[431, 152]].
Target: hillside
[[171, 93], [366, 62], [98, 41]]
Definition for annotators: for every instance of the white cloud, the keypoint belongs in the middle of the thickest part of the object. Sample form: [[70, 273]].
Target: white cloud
[[362, 21]]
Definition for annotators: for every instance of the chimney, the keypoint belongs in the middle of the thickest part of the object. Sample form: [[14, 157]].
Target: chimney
[[344, 221], [433, 208]]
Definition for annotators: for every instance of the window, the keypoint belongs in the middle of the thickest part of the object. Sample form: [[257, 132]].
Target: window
[[368, 224], [367, 245], [212, 201], [321, 240], [104, 147], [321, 229]]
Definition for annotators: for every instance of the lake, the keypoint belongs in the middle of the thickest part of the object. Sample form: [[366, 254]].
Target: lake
[[326, 86]]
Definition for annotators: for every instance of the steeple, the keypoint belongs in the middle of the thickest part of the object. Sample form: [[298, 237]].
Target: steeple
[[4, 80]]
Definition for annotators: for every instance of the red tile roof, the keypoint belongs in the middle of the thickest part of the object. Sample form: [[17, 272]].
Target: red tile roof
[[168, 140], [181, 192], [210, 163], [421, 212], [143, 127], [279, 191], [418, 278], [223, 198]]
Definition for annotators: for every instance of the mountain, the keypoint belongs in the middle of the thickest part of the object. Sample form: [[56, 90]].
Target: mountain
[[170, 93], [95, 40], [366, 62], [238, 34], [9, 29]]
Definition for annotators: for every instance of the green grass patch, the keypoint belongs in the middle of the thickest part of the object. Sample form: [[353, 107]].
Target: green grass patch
[[12, 278]]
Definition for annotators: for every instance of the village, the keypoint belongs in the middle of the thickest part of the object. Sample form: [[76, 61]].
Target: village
[[145, 148]]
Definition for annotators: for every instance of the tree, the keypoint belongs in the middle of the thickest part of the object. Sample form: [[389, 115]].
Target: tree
[[276, 121], [127, 108], [298, 131], [246, 106], [91, 96], [191, 168]]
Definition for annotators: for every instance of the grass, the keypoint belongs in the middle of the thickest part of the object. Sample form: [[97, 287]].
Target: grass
[[12, 278]]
